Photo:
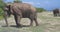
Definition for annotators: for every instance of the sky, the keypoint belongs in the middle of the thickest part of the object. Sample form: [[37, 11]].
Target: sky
[[46, 4]]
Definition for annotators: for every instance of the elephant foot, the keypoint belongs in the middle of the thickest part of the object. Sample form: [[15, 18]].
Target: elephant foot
[[37, 25], [5, 26], [19, 25], [30, 25]]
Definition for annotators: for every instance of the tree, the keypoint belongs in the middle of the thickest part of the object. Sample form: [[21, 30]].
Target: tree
[[1, 6], [17, 1], [1, 3], [40, 9]]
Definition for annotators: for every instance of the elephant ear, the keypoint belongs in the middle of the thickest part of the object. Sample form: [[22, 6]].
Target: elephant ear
[[8, 9]]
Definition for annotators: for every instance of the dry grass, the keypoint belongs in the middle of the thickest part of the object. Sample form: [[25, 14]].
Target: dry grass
[[47, 23]]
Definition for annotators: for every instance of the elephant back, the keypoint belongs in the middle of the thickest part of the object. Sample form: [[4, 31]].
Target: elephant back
[[23, 7]]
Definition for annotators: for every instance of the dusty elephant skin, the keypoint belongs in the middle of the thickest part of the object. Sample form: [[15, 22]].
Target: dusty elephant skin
[[56, 12], [20, 10]]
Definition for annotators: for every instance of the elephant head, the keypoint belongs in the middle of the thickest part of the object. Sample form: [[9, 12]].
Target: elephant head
[[7, 12], [7, 9]]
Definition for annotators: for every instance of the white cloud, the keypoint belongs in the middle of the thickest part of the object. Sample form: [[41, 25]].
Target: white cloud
[[33, 3], [29, 3]]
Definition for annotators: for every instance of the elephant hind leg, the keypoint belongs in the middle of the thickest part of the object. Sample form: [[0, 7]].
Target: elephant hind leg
[[17, 20], [31, 23], [33, 17], [36, 21]]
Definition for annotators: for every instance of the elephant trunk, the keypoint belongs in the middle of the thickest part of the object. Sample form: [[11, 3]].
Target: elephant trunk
[[9, 12]]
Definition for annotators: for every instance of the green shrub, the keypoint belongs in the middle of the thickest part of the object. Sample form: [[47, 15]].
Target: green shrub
[[1, 17], [1, 12], [40, 9]]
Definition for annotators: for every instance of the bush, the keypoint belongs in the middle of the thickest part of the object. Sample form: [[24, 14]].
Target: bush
[[1, 12], [40, 9], [1, 17]]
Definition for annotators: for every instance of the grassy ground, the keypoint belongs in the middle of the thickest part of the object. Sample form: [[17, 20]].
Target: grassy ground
[[47, 23]]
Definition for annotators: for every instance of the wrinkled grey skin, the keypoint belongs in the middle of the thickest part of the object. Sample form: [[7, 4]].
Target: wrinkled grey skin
[[21, 10], [56, 12]]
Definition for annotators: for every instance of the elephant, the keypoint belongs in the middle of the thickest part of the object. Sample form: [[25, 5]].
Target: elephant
[[20, 10], [56, 12]]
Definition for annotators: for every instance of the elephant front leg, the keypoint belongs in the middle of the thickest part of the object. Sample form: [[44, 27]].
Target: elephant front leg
[[17, 20], [5, 17]]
